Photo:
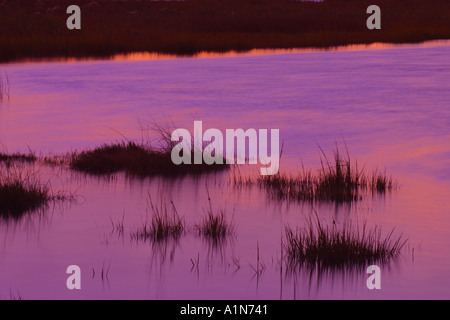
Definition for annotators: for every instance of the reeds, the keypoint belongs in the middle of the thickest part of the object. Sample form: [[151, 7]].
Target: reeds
[[215, 226], [17, 157], [165, 224], [324, 246], [338, 181], [20, 193], [379, 182]]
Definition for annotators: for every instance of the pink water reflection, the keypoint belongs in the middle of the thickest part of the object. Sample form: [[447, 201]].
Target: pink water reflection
[[390, 106]]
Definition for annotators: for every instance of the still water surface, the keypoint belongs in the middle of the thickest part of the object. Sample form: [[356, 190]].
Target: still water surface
[[390, 106]]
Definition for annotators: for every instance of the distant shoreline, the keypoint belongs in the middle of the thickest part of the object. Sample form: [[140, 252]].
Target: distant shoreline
[[147, 56], [31, 30]]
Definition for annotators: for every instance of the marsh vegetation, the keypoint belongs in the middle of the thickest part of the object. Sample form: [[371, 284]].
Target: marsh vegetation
[[136, 160], [329, 246], [339, 180]]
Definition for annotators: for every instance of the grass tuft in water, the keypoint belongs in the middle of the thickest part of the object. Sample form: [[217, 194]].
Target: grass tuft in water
[[215, 226], [329, 246], [165, 224], [21, 193], [339, 181]]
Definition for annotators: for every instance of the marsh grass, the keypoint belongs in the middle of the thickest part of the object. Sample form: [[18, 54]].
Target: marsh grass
[[136, 160], [165, 224], [322, 246], [33, 157], [380, 182], [17, 157], [338, 180], [21, 192], [215, 227]]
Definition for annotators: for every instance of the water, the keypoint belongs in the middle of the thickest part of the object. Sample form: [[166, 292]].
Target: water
[[390, 106]]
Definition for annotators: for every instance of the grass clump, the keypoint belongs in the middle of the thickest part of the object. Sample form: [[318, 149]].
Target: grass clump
[[380, 182], [21, 194], [330, 247], [337, 181], [136, 160], [215, 226], [165, 224]]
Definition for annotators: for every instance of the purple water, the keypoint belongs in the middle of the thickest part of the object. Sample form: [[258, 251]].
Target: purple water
[[390, 106]]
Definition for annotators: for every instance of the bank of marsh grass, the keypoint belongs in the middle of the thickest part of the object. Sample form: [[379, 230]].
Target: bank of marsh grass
[[136, 160], [320, 245]]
